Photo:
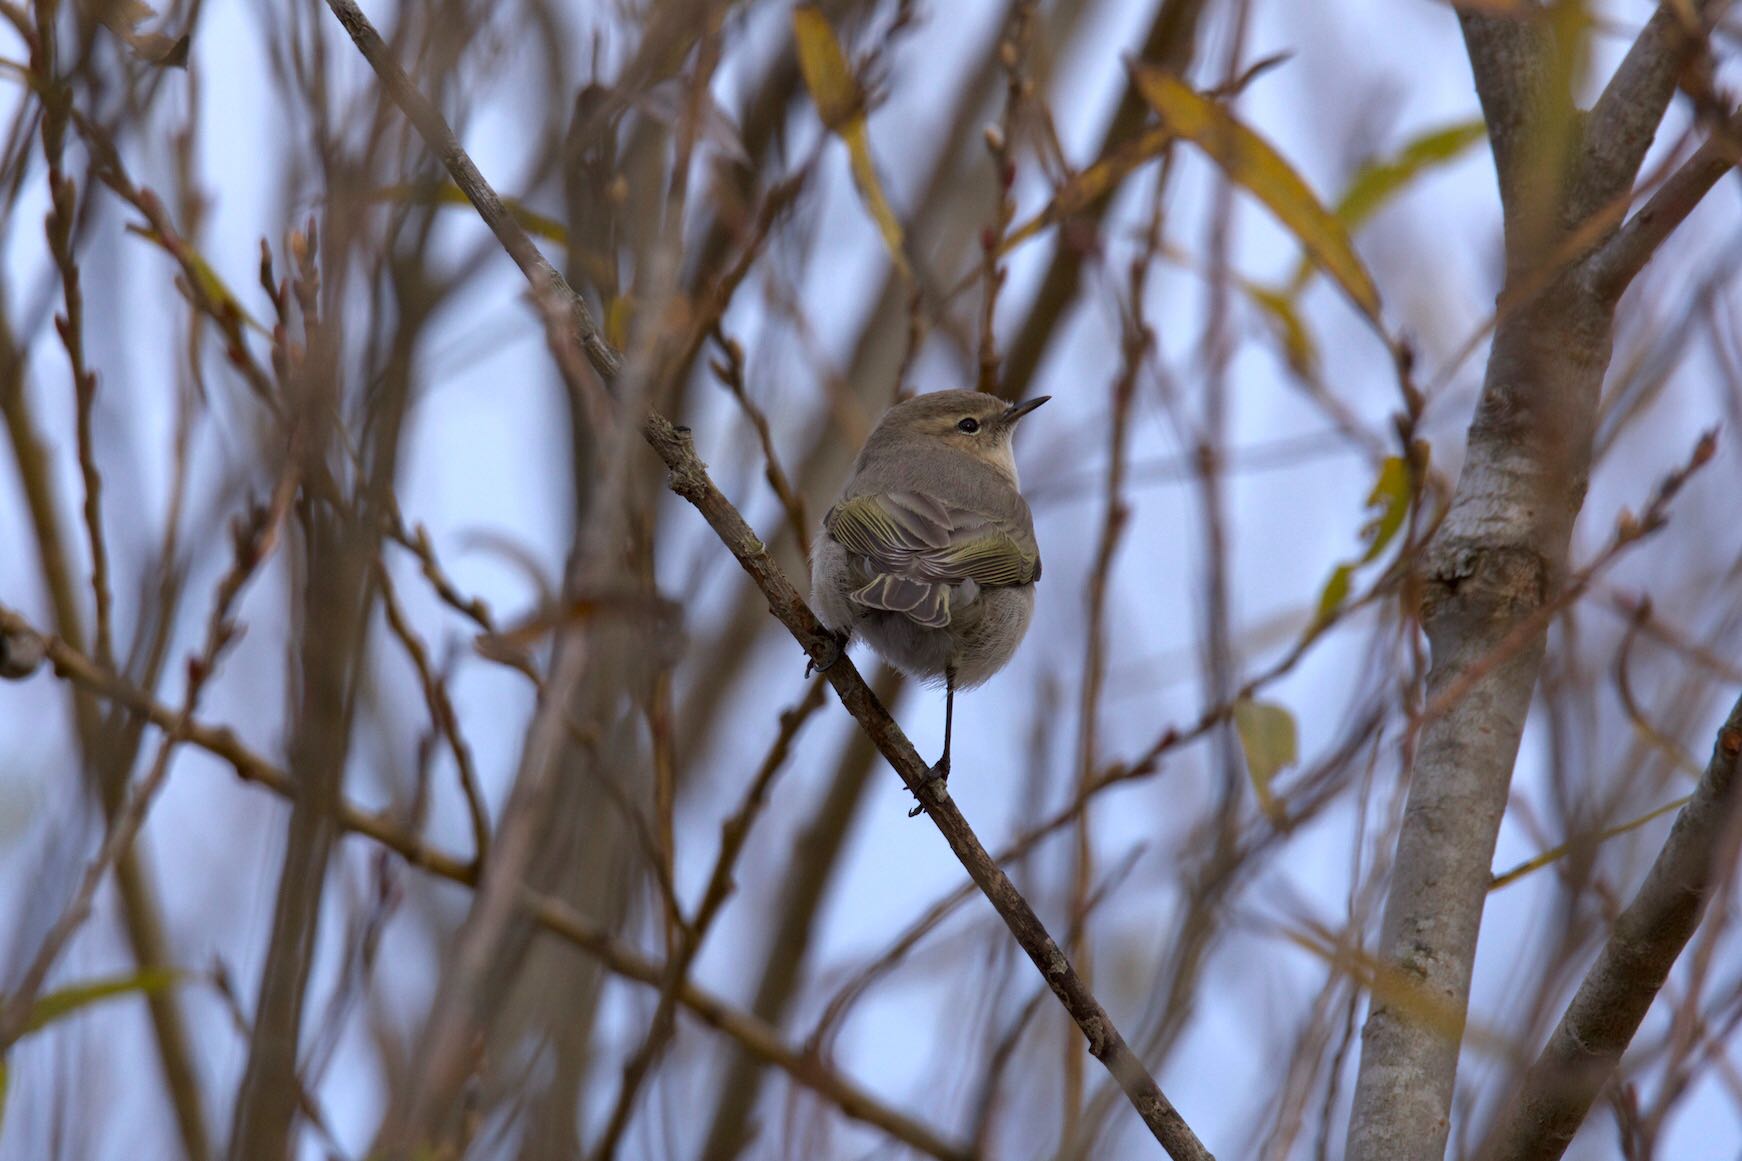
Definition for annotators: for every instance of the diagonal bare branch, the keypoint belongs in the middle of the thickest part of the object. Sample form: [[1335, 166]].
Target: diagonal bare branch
[[1625, 119], [1558, 1090], [757, 1037], [689, 479], [1614, 266]]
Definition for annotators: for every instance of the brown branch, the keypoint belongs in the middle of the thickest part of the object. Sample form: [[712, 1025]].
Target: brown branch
[[441, 711], [816, 854], [197, 282], [689, 479], [1629, 531], [1558, 1090], [1625, 119], [755, 1036], [1116, 514], [63, 211], [720, 884], [253, 541], [416, 541], [434, 130], [729, 370], [1614, 266], [1013, 45], [306, 1104]]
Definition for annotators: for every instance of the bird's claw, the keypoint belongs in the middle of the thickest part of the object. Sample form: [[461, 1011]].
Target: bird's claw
[[940, 772], [837, 648]]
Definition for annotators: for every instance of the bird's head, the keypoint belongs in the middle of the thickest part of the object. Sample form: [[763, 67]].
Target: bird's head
[[972, 422]]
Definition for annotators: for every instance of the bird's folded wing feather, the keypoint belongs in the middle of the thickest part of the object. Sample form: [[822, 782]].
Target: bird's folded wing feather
[[918, 545]]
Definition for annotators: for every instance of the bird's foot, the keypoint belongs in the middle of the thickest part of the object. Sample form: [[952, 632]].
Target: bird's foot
[[940, 772], [836, 650]]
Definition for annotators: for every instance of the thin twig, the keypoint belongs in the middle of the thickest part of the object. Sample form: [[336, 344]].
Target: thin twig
[[305, 1101], [729, 370], [197, 280], [253, 542], [690, 480], [1012, 49], [1629, 530], [441, 712], [1558, 1090], [63, 209], [1625, 254], [733, 832], [755, 1036], [1116, 513]]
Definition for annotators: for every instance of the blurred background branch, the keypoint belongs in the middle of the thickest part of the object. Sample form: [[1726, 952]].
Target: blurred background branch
[[1351, 597]]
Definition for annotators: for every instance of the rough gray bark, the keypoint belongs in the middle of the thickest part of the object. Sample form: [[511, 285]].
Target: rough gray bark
[[1501, 553], [1493, 564]]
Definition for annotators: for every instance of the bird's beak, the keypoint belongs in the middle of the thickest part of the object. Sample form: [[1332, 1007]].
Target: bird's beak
[[1018, 410]]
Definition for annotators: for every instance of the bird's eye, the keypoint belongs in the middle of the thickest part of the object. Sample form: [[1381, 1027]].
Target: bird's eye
[[969, 425]]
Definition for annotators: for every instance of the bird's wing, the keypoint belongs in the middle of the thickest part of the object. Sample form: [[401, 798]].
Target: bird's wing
[[918, 545]]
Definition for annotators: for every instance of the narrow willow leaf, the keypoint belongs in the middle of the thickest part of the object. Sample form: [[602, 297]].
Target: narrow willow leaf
[[1298, 346], [210, 283], [1554, 854], [449, 194], [1396, 987], [619, 317], [1251, 163], [871, 189], [1389, 502], [65, 1001], [1088, 186], [827, 74], [1271, 742], [1390, 496], [841, 105], [1333, 595], [1379, 181]]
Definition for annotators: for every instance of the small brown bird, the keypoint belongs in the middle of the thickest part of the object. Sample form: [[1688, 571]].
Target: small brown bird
[[929, 554]]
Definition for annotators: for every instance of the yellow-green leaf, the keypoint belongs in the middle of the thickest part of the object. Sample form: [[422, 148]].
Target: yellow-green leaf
[[1271, 743], [1251, 163], [1507, 878], [827, 74], [1398, 988], [1335, 592], [841, 105], [210, 284], [65, 1001], [449, 194], [1088, 186], [1297, 342], [1379, 181], [865, 177], [1390, 496]]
